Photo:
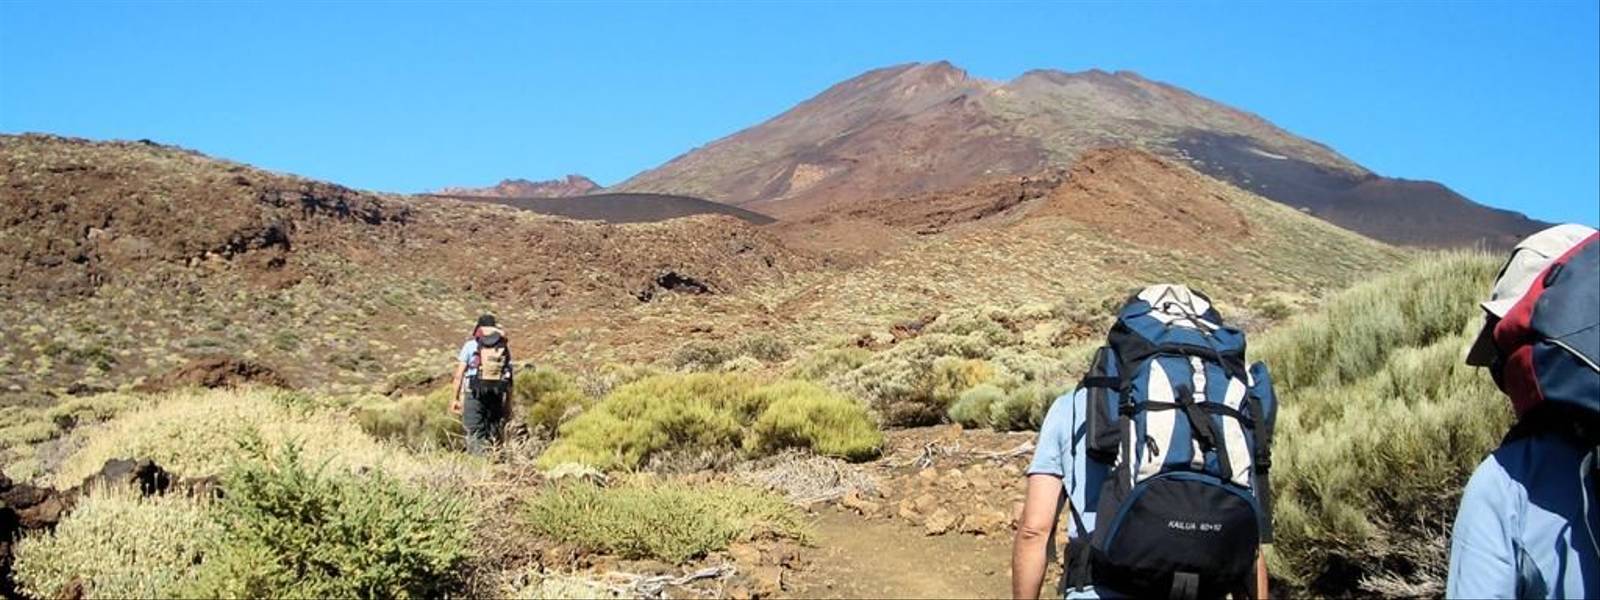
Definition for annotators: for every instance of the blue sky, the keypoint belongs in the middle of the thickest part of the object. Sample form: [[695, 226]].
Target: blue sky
[[1499, 101]]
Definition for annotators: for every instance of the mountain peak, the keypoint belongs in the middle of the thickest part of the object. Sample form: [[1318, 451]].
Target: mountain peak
[[571, 185], [923, 127]]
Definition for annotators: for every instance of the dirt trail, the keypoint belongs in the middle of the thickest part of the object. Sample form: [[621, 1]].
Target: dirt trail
[[857, 558]]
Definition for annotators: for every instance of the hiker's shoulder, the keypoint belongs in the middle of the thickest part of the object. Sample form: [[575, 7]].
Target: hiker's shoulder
[[1506, 474], [1066, 407]]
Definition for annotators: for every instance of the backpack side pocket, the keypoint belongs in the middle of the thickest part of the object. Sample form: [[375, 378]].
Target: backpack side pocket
[[1103, 388]]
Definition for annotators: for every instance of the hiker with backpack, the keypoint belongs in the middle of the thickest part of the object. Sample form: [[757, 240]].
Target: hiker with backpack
[[1527, 526], [1160, 456], [483, 385]]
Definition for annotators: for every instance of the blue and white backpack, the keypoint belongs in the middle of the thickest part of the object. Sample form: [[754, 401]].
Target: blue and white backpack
[[1186, 429]]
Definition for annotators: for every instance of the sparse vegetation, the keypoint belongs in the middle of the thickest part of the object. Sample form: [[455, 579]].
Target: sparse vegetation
[[713, 412], [920, 380], [665, 521]]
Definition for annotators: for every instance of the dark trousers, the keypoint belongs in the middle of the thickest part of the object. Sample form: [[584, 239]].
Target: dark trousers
[[483, 415]]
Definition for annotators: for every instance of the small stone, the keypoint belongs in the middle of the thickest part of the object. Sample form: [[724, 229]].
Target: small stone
[[925, 503], [768, 581], [908, 511], [854, 501], [739, 592], [929, 474], [745, 555], [939, 523], [985, 523]]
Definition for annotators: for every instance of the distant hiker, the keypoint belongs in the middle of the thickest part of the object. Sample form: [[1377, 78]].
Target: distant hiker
[[1160, 456], [483, 385], [1529, 517]]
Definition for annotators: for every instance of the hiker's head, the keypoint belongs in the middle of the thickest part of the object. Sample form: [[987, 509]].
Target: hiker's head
[[1504, 343], [486, 320]]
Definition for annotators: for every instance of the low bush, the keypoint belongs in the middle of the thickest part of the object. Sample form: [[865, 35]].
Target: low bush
[[120, 546], [419, 422], [972, 408], [1023, 408], [712, 412], [195, 433], [823, 365], [803, 415], [1380, 427], [85, 410], [297, 531], [765, 348], [920, 380], [545, 398], [700, 356], [673, 522], [741, 364]]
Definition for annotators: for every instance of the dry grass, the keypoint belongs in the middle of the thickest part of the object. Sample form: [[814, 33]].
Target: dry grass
[[1381, 425], [196, 432], [667, 521], [120, 545]]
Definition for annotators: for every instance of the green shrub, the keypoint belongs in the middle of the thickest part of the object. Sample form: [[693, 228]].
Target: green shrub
[[406, 380], [988, 326], [823, 365], [700, 356], [803, 415], [27, 432], [673, 522], [546, 398], [972, 408], [765, 348], [1023, 408], [292, 530], [610, 376], [741, 364], [711, 412], [85, 410], [1380, 427], [120, 545], [419, 422]]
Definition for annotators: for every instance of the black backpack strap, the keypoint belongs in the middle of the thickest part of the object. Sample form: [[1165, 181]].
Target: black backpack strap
[[1200, 426]]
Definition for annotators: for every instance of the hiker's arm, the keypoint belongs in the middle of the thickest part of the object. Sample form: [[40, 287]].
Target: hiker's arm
[[1033, 535], [1262, 593], [455, 386]]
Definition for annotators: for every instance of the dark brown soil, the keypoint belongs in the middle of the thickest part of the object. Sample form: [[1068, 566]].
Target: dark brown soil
[[217, 372]]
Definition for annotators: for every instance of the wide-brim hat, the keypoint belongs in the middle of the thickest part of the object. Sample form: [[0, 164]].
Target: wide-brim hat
[[1528, 259]]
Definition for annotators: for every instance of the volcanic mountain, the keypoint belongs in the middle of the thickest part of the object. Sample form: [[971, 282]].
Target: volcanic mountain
[[571, 185], [919, 128]]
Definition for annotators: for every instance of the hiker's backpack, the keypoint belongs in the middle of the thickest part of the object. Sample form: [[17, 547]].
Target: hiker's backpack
[[1186, 430], [493, 360], [1549, 347]]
